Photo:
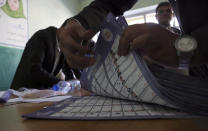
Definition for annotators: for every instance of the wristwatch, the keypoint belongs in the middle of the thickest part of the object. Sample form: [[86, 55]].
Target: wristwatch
[[185, 46]]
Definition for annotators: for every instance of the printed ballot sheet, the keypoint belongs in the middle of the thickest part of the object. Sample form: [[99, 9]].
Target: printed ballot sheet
[[105, 108], [118, 76], [124, 87]]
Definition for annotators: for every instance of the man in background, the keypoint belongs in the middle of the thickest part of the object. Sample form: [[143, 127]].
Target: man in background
[[164, 15], [42, 62]]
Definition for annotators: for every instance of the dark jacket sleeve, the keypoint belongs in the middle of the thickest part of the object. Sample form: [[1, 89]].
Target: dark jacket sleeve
[[37, 49], [193, 20], [92, 16], [190, 14]]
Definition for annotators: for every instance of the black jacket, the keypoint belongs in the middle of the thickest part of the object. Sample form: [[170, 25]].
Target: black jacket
[[37, 61]]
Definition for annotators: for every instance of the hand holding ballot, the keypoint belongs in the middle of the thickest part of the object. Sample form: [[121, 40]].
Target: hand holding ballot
[[71, 37], [152, 40]]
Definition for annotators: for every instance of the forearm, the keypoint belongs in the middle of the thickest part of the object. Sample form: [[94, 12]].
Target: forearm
[[92, 16]]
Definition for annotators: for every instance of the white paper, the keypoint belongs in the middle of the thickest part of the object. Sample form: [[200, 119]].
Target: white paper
[[38, 100], [1, 93]]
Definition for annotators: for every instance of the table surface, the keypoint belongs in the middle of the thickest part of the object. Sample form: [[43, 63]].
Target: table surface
[[11, 120]]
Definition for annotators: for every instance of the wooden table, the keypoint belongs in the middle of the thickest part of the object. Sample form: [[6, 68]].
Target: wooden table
[[11, 120]]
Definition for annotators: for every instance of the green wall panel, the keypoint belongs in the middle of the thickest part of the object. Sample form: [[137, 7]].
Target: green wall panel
[[10, 58]]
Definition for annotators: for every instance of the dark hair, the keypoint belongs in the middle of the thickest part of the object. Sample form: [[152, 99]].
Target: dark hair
[[162, 4]]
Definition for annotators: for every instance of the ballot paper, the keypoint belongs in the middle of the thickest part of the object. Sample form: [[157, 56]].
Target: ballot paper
[[2, 93], [37, 100], [128, 88], [31, 96], [119, 76]]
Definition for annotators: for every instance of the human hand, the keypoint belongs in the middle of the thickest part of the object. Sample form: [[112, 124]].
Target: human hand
[[71, 37], [152, 40]]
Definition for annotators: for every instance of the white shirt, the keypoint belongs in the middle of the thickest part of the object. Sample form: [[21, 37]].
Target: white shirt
[[58, 54]]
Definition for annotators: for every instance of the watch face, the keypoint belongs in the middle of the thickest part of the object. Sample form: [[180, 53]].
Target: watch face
[[186, 44]]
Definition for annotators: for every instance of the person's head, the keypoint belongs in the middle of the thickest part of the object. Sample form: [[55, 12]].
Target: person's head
[[164, 13], [14, 4]]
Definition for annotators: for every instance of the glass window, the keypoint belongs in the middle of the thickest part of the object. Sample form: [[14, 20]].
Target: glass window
[[150, 17], [135, 20]]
